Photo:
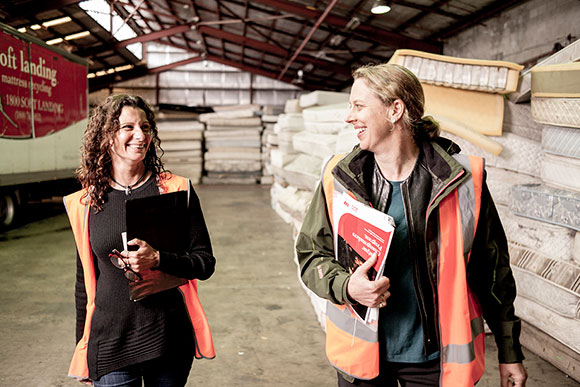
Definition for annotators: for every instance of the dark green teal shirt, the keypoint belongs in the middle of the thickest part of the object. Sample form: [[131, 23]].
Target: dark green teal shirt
[[400, 330]]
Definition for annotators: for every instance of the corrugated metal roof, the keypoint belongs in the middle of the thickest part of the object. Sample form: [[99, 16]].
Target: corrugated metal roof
[[279, 39]]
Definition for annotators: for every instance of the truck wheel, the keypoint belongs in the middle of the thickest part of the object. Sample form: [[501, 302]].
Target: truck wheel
[[8, 207]]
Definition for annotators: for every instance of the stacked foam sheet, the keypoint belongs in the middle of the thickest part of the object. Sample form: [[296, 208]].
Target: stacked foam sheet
[[282, 153], [233, 146], [298, 163], [181, 137], [269, 141]]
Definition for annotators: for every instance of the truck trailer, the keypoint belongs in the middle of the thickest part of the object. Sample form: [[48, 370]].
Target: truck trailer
[[43, 114]]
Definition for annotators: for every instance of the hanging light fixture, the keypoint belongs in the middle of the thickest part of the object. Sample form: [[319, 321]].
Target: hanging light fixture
[[380, 6]]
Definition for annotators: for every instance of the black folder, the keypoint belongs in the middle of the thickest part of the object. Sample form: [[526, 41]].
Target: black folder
[[162, 221]]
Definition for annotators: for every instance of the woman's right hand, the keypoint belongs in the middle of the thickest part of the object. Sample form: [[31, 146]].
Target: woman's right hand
[[373, 294]]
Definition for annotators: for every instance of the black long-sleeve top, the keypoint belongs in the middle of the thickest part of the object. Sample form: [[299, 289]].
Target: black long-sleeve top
[[125, 332]]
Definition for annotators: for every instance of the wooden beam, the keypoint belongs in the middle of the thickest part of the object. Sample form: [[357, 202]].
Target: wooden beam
[[307, 38], [269, 48]]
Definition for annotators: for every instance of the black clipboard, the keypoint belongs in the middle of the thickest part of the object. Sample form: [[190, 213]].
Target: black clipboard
[[162, 221]]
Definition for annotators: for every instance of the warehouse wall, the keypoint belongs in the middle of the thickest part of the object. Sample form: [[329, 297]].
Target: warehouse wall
[[520, 34], [204, 83]]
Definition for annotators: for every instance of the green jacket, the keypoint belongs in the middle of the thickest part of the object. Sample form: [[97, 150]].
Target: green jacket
[[489, 273]]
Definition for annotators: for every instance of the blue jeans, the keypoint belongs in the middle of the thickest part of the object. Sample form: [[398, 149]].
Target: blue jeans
[[155, 373]]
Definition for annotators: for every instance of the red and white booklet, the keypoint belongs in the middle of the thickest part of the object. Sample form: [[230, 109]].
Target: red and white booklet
[[360, 232]]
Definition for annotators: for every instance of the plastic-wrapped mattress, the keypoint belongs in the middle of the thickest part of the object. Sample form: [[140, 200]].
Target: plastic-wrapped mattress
[[519, 154], [320, 97], [303, 172], [561, 172], [517, 119], [561, 300], [562, 328], [328, 113], [315, 144], [500, 182], [545, 238], [546, 204], [561, 141]]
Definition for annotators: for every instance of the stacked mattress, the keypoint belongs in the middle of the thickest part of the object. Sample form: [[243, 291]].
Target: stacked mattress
[[181, 137], [534, 178], [542, 220], [570, 53], [282, 153], [474, 86], [269, 141], [298, 160], [233, 146]]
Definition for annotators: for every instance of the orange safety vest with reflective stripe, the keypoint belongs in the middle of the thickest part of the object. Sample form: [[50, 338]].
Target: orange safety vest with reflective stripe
[[78, 209], [460, 318], [353, 347]]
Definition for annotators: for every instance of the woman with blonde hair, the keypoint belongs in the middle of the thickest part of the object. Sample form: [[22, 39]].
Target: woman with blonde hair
[[448, 266]]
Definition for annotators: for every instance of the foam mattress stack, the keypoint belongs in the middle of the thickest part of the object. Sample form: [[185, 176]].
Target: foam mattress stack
[[322, 132], [281, 155], [269, 141], [323, 119], [181, 137], [233, 146]]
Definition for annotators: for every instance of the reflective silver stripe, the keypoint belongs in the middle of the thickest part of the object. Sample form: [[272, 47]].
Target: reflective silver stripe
[[345, 321], [463, 353], [466, 195], [85, 217]]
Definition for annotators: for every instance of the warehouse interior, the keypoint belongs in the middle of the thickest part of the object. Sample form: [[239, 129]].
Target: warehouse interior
[[250, 99]]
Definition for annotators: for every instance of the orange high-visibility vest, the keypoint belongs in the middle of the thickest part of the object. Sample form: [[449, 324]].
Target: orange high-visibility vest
[[353, 347], [78, 209], [460, 318]]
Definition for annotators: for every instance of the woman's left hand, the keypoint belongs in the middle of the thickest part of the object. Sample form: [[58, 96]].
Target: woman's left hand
[[142, 259]]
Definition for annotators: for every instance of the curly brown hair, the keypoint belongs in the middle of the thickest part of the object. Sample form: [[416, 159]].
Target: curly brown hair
[[95, 169]]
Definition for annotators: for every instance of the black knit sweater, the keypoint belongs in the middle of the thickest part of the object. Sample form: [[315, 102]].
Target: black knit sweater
[[124, 332]]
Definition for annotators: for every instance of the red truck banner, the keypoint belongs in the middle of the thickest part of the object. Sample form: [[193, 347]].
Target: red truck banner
[[41, 92]]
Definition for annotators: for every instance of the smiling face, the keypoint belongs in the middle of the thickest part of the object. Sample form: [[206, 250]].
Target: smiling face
[[132, 139], [370, 117]]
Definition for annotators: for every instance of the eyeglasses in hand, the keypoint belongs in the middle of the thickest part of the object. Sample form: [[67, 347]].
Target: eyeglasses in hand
[[119, 262]]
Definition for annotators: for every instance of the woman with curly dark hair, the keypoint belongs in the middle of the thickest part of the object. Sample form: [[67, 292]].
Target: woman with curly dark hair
[[121, 342]]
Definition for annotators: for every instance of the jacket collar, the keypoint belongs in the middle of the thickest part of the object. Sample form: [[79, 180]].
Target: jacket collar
[[355, 169]]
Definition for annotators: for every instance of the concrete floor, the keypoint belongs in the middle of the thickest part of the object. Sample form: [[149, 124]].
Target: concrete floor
[[265, 331]]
